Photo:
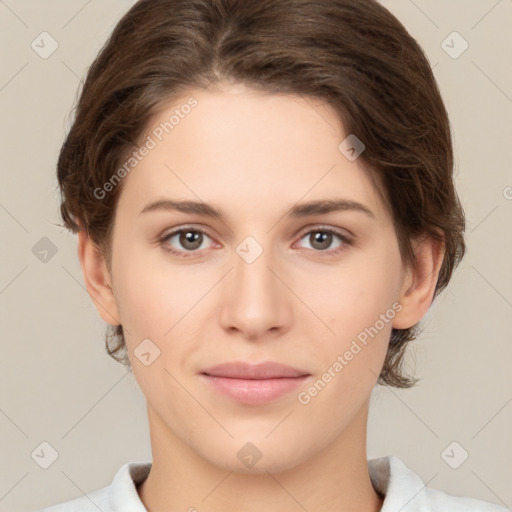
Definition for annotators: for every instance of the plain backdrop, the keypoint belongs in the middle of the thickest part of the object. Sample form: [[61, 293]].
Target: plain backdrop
[[58, 386]]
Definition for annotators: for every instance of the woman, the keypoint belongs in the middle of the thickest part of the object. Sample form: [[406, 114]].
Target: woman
[[265, 208]]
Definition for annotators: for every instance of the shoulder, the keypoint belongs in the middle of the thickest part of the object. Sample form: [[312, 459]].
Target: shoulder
[[439, 500], [405, 491], [120, 495]]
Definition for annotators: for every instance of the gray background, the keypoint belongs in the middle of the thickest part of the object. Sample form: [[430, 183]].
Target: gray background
[[58, 385]]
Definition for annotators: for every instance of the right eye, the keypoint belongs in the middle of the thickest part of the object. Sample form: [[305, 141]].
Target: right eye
[[184, 240]]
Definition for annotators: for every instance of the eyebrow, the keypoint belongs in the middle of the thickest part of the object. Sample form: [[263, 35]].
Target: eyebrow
[[320, 207]]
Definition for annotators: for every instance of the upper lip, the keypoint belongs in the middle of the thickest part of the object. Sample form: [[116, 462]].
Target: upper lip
[[243, 370]]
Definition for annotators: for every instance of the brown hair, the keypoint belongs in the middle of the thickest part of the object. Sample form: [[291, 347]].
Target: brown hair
[[352, 54]]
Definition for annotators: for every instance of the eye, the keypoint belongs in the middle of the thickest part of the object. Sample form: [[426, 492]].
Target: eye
[[321, 239], [184, 240]]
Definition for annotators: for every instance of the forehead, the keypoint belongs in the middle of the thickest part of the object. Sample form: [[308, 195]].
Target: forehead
[[232, 145]]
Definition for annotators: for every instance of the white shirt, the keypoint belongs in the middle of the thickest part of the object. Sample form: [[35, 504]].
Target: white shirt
[[403, 491]]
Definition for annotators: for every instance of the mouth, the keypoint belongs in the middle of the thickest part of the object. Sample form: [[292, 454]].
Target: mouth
[[254, 384]]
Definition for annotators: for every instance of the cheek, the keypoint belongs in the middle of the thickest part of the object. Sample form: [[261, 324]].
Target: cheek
[[156, 298], [350, 360], [358, 304], [355, 297]]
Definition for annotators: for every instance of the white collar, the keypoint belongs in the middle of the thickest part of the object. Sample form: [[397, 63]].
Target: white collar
[[403, 490]]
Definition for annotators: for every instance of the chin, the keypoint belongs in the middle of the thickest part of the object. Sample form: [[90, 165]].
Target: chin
[[257, 455]]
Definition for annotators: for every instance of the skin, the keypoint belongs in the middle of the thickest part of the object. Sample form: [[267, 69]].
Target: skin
[[254, 156]]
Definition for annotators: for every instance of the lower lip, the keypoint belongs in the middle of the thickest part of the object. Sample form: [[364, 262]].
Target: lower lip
[[255, 391]]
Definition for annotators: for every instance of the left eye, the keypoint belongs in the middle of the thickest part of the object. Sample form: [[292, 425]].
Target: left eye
[[322, 239]]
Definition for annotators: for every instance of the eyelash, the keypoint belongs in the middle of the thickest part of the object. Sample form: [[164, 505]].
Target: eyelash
[[346, 241]]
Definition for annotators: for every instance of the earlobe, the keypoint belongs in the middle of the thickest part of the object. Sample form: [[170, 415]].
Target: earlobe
[[97, 278], [420, 283]]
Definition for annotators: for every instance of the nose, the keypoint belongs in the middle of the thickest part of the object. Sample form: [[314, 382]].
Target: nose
[[255, 302]]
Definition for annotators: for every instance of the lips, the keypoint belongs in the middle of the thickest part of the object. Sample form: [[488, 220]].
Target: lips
[[241, 370], [254, 384]]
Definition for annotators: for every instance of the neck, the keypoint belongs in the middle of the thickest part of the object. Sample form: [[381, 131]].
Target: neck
[[335, 479]]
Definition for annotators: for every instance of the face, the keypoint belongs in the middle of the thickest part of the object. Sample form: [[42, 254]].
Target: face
[[267, 280]]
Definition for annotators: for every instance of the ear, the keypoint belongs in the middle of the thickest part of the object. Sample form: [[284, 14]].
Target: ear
[[97, 278], [419, 284]]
